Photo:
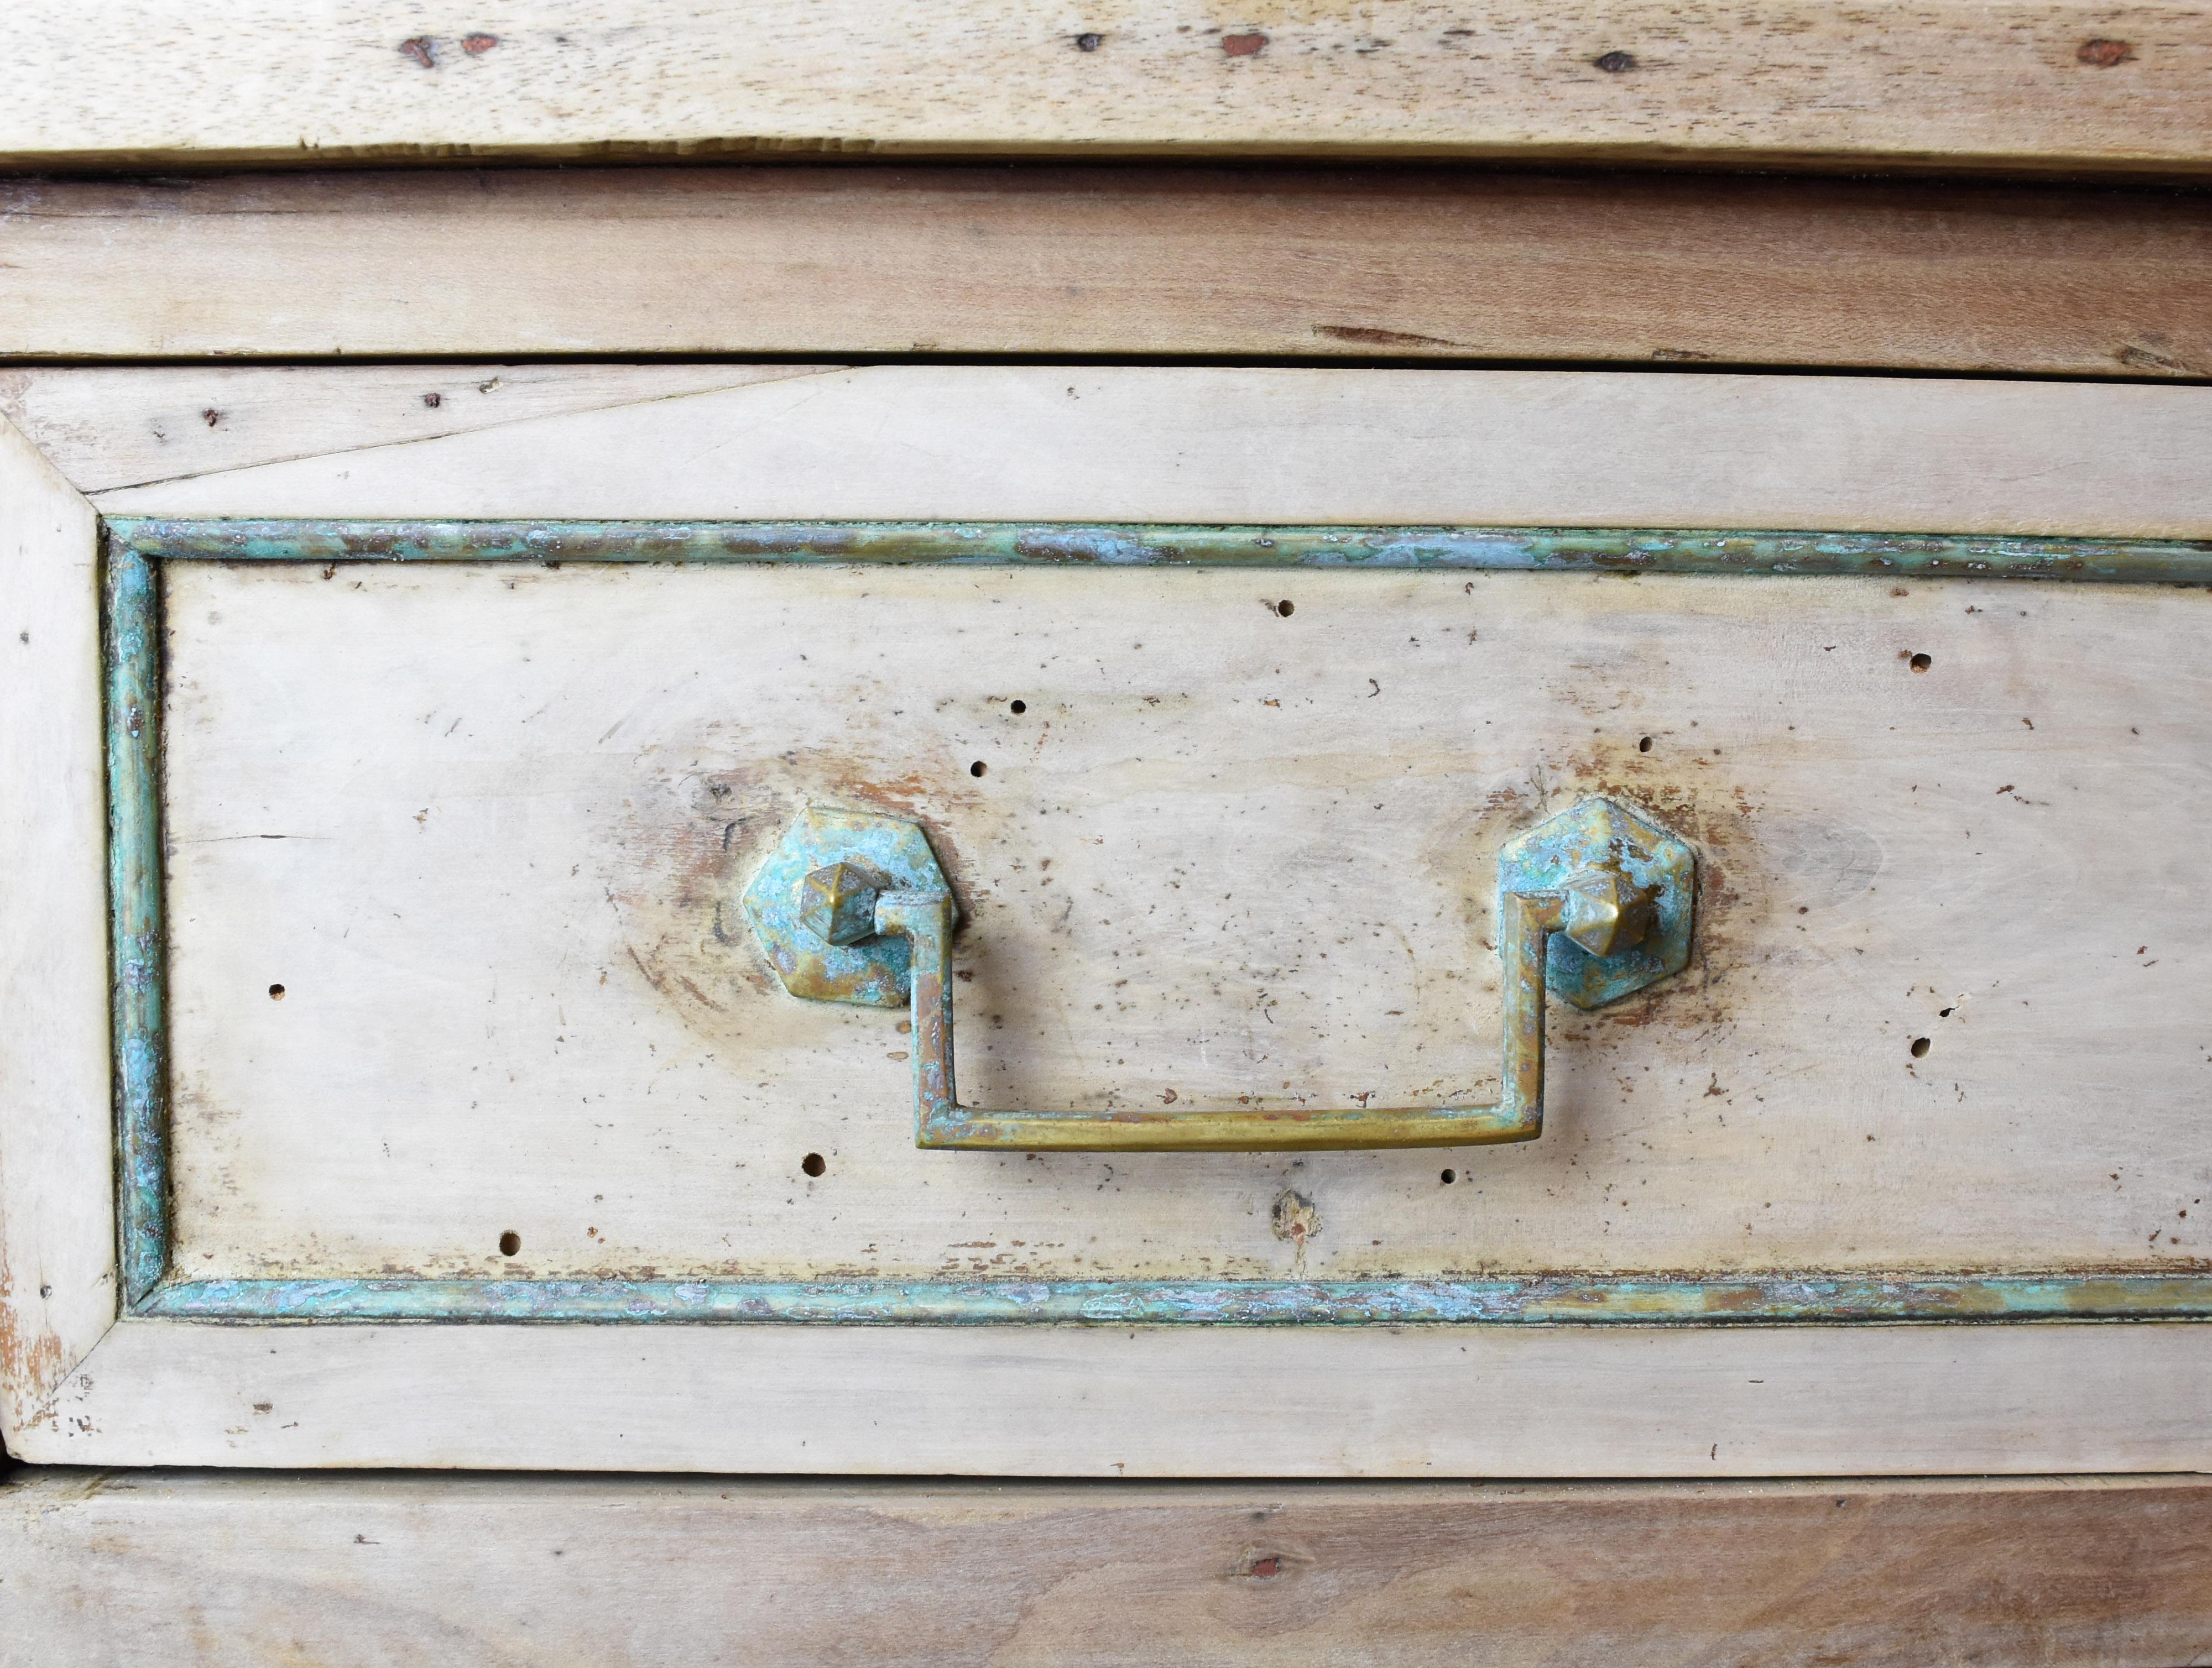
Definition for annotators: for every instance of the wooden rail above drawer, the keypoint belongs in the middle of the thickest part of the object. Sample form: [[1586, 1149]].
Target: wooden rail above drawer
[[1346, 264]]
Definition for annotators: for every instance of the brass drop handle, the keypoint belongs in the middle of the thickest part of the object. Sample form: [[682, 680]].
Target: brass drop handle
[[1595, 904]]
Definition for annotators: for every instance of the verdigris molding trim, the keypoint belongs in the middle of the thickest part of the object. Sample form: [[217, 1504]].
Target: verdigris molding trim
[[1917, 555]]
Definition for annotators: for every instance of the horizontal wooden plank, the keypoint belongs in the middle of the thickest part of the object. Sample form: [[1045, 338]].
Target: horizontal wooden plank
[[1949, 83], [1436, 1401], [1375, 263], [1266, 445], [192, 1567]]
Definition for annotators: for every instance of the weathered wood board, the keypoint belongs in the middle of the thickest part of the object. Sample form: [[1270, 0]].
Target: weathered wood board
[[1221, 838], [1269, 446], [182, 1568], [1372, 262], [1433, 1401], [57, 1291], [113, 426], [1941, 84]]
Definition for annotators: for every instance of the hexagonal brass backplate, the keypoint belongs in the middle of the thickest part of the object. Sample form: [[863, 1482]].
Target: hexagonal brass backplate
[[873, 972], [1599, 835]]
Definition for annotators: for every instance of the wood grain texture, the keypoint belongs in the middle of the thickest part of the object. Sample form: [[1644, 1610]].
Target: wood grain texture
[[1953, 82], [487, 828], [1371, 263], [110, 427], [1284, 446], [110, 1572], [58, 1289], [1163, 1402]]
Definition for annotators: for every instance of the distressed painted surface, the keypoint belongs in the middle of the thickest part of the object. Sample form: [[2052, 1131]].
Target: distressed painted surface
[[260, 1173], [2162, 562]]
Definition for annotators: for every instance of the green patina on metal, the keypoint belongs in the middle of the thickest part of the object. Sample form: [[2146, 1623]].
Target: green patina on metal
[[131, 643], [851, 907], [1534, 1299], [1600, 840], [872, 854], [1927, 556], [131, 633]]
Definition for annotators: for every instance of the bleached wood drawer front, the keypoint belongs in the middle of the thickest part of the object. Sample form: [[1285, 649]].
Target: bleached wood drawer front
[[503, 1070]]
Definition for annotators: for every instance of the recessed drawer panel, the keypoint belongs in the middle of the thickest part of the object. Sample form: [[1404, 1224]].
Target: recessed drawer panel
[[462, 984]]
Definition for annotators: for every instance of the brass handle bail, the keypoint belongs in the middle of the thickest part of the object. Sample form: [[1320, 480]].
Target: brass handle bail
[[1593, 904]]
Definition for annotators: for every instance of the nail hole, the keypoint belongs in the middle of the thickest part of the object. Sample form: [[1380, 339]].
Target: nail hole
[[813, 1164], [1919, 1048], [275, 993], [1086, 42], [1448, 1177], [1286, 608], [1643, 745], [509, 1243], [977, 769], [1019, 706], [1920, 662]]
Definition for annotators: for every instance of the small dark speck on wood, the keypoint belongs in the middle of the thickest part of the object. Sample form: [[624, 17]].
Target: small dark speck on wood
[[1243, 46], [1087, 42], [434, 400], [2102, 54], [477, 46], [423, 50], [210, 416], [1615, 63]]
